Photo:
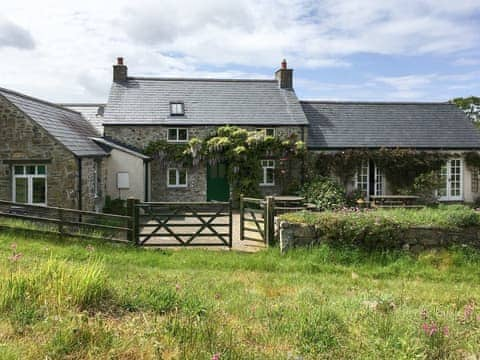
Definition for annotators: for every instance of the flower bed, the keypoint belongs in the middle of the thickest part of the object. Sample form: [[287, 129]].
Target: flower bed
[[382, 229]]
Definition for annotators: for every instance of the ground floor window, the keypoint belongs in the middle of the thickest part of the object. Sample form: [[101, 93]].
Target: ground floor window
[[370, 179], [267, 131], [475, 180], [176, 177], [451, 175], [268, 173], [30, 184]]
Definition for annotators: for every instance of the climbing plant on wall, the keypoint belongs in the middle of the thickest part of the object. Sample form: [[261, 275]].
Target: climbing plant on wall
[[240, 149], [400, 166]]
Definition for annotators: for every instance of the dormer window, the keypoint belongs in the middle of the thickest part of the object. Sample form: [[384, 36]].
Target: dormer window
[[177, 109]]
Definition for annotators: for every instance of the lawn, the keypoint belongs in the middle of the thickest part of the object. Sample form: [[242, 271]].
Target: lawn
[[87, 300]]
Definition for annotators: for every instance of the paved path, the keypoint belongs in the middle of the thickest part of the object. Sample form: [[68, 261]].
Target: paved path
[[237, 244]]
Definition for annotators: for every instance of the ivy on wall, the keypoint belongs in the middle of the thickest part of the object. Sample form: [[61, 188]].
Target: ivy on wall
[[400, 166], [240, 149]]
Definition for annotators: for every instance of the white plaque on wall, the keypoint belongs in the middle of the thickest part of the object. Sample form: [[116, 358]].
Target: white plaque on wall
[[123, 180]]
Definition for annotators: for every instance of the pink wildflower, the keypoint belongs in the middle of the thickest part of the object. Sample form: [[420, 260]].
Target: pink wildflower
[[425, 328], [216, 356], [431, 329], [468, 311], [446, 331], [15, 257]]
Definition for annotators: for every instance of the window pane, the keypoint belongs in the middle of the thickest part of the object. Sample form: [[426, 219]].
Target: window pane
[[172, 177], [270, 132], [270, 176], [182, 134], [21, 190], [39, 190], [19, 170], [176, 108], [172, 134], [182, 177], [41, 170], [31, 170]]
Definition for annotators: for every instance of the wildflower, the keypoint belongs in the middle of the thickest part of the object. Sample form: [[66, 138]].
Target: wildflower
[[216, 356], [468, 311], [431, 329], [446, 331], [13, 246], [90, 248], [178, 287], [15, 257]]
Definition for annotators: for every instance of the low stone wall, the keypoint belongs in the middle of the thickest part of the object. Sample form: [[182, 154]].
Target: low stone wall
[[415, 239]]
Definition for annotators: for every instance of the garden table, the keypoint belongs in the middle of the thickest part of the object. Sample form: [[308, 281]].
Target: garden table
[[407, 201]]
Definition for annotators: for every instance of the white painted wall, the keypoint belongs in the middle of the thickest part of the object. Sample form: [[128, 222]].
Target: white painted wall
[[120, 161]]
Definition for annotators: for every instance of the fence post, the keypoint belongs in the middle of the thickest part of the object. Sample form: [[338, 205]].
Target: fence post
[[60, 222], [133, 213], [268, 218], [230, 221], [242, 215]]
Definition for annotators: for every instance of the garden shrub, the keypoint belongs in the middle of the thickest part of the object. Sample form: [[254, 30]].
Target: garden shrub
[[325, 193], [425, 186], [115, 206], [381, 229]]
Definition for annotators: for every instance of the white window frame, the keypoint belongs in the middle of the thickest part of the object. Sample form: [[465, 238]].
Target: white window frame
[[177, 108], [448, 181], [365, 165], [264, 131], [379, 181], [177, 136], [267, 165], [29, 178], [177, 178]]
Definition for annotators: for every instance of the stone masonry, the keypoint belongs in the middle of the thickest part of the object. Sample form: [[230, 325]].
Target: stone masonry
[[140, 136], [30, 142]]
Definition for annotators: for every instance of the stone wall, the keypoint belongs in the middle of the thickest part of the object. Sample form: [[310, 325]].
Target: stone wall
[[91, 199], [23, 141], [415, 239], [141, 136]]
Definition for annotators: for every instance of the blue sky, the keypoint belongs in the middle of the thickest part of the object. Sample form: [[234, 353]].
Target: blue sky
[[341, 50]]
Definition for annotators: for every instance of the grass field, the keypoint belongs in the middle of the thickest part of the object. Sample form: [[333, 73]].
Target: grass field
[[84, 300]]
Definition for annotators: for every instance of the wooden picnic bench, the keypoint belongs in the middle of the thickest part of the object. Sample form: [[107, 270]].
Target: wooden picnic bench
[[395, 201]]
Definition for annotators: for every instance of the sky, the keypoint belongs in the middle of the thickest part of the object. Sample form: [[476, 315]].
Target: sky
[[390, 50]]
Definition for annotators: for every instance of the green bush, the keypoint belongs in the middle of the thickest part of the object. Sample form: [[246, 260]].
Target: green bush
[[325, 193], [115, 206], [425, 186], [379, 229]]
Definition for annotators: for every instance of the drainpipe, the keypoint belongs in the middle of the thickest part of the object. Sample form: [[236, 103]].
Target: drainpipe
[[79, 183], [303, 158]]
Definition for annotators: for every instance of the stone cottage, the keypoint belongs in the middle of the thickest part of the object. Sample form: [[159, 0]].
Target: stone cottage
[[73, 155]]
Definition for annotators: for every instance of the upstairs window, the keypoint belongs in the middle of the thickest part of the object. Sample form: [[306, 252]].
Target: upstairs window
[[268, 173], [30, 184], [177, 109], [267, 131], [177, 135]]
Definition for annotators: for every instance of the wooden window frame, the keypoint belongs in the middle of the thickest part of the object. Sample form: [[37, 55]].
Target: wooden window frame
[[267, 165], [29, 178], [177, 178]]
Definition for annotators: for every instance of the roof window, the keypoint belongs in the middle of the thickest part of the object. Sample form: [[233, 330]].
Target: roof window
[[177, 109]]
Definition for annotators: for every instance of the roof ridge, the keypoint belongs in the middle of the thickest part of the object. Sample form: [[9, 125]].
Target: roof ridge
[[198, 79], [81, 104], [16, 93], [375, 102]]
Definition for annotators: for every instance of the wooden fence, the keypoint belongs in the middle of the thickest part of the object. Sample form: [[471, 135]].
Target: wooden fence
[[66, 222], [192, 224]]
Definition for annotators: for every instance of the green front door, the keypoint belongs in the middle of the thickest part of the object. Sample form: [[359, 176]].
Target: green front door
[[217, 183]]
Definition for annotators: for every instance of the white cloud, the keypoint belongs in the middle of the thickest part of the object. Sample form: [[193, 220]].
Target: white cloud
[[76, 42], [15, 36]]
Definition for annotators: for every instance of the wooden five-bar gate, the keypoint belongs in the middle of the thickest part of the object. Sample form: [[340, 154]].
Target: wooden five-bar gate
[[257, 219], [167, 224]]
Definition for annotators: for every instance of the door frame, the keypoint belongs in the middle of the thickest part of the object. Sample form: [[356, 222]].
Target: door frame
[[448, 180]]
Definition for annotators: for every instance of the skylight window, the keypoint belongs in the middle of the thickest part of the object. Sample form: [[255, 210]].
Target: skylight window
[[177, 108]]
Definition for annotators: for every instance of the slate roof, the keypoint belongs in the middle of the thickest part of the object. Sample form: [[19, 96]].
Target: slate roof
[[207, 102], [377, 124], [91, 112], [66, 126], [108, 144]]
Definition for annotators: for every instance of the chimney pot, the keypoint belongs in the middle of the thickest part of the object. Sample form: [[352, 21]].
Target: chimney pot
[[284, 76], [120, 71]]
